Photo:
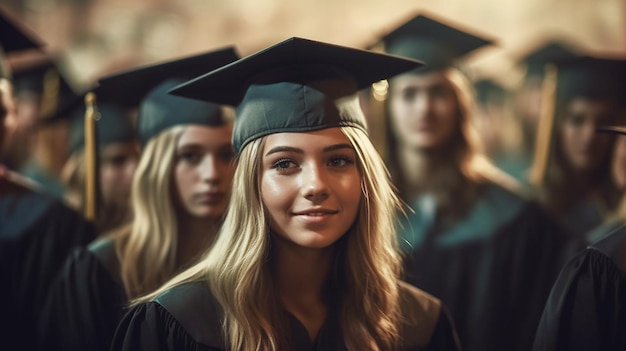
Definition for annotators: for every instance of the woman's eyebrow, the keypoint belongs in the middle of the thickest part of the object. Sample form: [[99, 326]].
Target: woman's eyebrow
[[338, 147], [284, 149]]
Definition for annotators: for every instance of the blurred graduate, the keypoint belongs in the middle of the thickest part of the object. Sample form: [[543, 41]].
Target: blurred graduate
[[470, 236], [37, 231], [179, 196]]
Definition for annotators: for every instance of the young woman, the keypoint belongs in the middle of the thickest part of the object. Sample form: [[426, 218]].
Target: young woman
[[307, 256], [471, 239], [574, 177], [179, 195], [587, 306]]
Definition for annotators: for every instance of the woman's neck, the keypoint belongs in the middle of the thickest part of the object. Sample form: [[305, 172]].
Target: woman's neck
[[195, 235], [301, 275]]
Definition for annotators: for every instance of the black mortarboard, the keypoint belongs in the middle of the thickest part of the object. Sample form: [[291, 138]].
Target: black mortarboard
[[45, 78], [114, 126], [549, 52], [591, 77], [434, 42], [13, 37], [159, 110], [292, 86], [128, 88]]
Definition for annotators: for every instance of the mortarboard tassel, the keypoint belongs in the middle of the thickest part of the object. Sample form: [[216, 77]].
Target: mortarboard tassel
[[91, 158], [545, 128]]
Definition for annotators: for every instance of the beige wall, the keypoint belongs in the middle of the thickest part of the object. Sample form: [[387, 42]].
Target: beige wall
[[105, 35]]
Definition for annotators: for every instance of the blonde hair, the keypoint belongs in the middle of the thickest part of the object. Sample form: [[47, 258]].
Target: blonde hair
[[147, 247], [366, 269]]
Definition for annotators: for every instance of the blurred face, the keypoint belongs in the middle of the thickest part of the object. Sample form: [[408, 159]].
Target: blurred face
[[423, 110], [117, 166], [310, 186], [618, 166], [204, 170], [583, 148]]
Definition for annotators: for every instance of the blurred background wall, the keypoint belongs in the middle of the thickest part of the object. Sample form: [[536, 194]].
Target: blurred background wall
[[94, 37]]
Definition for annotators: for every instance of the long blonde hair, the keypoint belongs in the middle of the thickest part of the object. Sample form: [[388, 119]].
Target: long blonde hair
[[147, 247], [366, 269]]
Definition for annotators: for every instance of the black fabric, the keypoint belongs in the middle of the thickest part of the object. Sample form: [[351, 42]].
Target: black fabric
[[493, 269], [85, 304], [37, 234], [587, 306], [431, 40], [13, 37], [159, 111], [188, 317]]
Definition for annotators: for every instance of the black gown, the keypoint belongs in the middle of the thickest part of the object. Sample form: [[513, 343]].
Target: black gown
[[37, 233], [87, 301], [587, 306], [188, 317], [493, 268]]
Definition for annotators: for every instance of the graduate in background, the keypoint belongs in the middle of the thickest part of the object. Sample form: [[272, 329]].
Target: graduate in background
[[587, 306], [307, 257], [571, 170], [40, 150], [37, 232], [118, 153], [528, 99], [471, 237], [179, 195]]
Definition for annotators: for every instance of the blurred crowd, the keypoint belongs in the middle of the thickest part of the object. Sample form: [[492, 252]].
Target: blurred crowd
[[510, 182]]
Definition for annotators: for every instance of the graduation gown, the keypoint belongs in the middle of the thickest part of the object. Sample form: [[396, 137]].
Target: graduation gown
[[493, 268], [87, 301], [37, 233], [188, 317], [587, 306]]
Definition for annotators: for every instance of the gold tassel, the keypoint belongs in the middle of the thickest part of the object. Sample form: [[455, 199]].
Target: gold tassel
[[91, 177], [545, 129]]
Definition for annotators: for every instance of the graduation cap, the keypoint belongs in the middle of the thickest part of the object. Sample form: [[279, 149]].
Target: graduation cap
[[13, 38], [45, 78], [297, 85], [159, 110], [432, 41], [128, 88], [591, 77], [113, 126], [550, 52]]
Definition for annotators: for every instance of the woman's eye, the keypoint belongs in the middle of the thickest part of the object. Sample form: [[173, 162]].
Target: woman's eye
[[283, 164], [190, 157], [340, 162]]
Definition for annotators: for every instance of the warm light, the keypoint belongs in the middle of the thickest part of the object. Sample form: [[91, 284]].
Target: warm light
[[379, 90]]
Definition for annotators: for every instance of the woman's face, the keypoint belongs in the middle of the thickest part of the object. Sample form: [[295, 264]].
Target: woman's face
[[584, 148], [204, 170], [618, 166], [423, 110], [310, 186], [117, 166]]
